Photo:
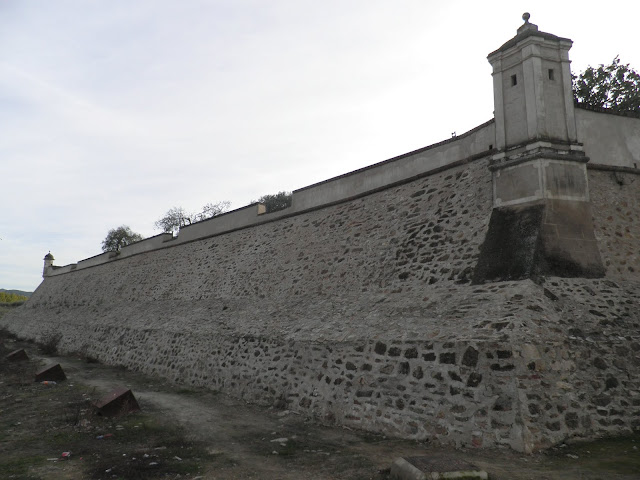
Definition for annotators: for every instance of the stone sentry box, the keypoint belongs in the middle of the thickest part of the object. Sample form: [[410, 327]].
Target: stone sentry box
[[541, 223]]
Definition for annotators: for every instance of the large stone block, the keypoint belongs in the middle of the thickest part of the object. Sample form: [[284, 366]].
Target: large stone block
[[51, 373], [17, 356], [117, 402]]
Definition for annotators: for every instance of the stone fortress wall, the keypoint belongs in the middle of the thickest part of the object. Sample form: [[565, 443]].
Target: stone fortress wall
[[463, 148], [596, 128], [355, 306]]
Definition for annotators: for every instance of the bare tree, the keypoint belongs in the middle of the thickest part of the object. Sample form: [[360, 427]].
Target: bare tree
[[211, 210], [178, 217]]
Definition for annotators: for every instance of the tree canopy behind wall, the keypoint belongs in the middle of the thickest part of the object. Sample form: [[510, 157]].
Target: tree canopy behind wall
[[276, 201], [12, 298], [118, 238], [615, 87]]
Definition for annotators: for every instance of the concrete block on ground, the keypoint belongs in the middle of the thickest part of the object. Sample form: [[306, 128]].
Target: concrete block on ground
[[117, 402], [17, 356], [435, 467], [51, 373]]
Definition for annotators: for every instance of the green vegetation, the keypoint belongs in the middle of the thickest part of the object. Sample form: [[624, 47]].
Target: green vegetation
[[49, 346], [275, 202], [118, 238], [40, 422], [615, 87], [17, 292], [607, 456], [8, 298], [19, 467]]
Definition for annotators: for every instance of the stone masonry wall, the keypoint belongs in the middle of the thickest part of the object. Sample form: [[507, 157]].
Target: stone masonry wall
[[615, 197], [362, 313], [427, 230]]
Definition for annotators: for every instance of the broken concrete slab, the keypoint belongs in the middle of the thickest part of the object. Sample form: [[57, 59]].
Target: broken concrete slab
[[51, 373], [435, 467], [117, 402], [17, 356]]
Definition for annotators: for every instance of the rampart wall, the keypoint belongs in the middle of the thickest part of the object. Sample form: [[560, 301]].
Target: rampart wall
[[463, 148], [361, 312], [609, 139], [356, 304]]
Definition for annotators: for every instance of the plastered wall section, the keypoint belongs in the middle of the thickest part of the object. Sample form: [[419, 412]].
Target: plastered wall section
[[361, 313], [146, 245], [609, 139]]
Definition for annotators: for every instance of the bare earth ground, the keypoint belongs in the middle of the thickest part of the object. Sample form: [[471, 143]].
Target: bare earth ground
[[193, 433]]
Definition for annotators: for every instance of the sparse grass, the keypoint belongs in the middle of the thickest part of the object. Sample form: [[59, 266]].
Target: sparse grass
[[39, 422], [137, 446], [83, 355], [290, 448], [50, 345], [370, 437], [609, 455], [73, 412], [12, 304], [6, 334], [142, 447], [187, 391], [19, 467]]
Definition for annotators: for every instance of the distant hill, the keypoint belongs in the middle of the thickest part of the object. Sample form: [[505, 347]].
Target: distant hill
[[17, 292]]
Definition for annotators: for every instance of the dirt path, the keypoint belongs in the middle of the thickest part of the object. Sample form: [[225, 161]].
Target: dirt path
[[242, 437], [244, 433]]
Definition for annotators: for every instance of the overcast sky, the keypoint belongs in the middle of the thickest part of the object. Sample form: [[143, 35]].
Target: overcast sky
[[114, 111]]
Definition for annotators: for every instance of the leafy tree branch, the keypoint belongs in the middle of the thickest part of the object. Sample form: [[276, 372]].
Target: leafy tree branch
[[615, 87], [120, 237], [277, 201]]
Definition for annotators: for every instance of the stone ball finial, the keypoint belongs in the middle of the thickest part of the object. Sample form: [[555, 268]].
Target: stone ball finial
[[526, 17]]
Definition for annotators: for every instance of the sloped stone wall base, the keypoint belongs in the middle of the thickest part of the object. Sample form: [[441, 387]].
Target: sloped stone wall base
[[545, 238]]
